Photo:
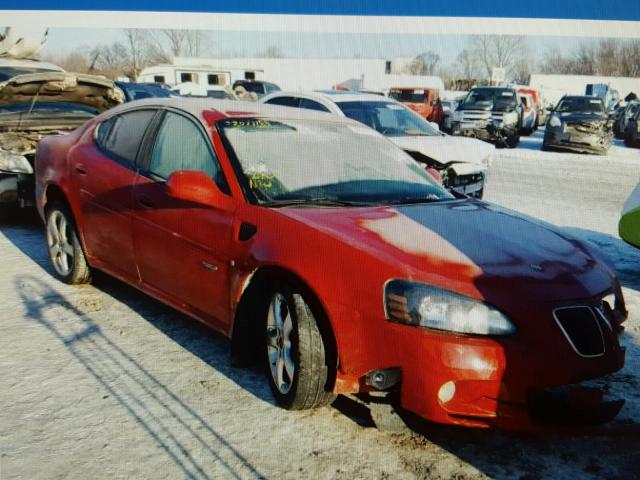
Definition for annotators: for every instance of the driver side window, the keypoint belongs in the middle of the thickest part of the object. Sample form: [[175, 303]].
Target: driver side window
[[181, 145]]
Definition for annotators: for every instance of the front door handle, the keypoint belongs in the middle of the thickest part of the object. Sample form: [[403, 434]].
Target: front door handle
[[80, 169]]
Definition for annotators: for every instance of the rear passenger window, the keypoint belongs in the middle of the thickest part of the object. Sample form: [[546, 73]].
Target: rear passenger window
[[121, 135], [312, 105], [284, 101]]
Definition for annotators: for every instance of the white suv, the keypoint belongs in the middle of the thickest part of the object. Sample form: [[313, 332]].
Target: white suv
[[462, 162]]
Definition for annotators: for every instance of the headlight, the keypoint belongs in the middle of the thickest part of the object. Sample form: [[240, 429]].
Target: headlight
[[555, 121], [509, 118], [426, 306], [10, 162]]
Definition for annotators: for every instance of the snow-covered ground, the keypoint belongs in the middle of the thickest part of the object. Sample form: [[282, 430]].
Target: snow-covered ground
[[103, 382]]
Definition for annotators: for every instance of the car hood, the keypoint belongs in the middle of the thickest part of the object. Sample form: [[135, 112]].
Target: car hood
[[91, 90], [468, 242], [446, 149]]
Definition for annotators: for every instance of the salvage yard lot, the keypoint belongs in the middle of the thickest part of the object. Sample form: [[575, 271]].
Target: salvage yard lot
[[104, 382]]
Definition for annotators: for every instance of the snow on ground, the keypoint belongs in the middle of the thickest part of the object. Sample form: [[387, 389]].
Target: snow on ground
[[104, 382]]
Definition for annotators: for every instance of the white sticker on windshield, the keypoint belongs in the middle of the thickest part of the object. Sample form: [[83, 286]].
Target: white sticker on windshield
[[392, 106], [507, 94], [594, 101]]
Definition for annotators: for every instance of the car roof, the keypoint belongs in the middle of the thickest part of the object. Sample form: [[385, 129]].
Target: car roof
[[581, 97], [28, 63], [336, 96], [231, 109]]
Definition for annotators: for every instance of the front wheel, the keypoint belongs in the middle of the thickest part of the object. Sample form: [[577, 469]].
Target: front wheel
[[513, 140], [295, 352], [65, 251]]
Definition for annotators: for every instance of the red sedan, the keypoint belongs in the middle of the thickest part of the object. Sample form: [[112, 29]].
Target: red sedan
[[328, 254]]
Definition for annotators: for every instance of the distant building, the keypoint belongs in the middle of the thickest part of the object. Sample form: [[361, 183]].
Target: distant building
[[555, 86], [289, 73]]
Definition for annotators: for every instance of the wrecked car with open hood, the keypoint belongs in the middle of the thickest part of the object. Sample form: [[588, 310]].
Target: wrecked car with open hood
[[36, 105], [579, 124], [462, 164]]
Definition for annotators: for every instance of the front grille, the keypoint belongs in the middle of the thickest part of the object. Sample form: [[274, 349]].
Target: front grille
[[582, 329], [584, 127]]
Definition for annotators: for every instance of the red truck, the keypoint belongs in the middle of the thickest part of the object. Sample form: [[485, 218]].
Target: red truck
[[425, 101]]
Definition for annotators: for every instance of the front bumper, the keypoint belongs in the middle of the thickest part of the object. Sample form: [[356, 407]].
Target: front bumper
[[581, 143], [481, 130], [17, 188]]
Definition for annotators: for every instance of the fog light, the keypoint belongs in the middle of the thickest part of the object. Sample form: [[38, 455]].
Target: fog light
[[446, 392], [383, 379]]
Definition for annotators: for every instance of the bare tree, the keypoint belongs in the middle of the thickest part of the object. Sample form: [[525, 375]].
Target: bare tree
[[424, 63], [185, 43], [503, 51], [467, 64]]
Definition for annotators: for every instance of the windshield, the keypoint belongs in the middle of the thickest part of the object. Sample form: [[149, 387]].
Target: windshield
[[581, 105], [49, 107], [9, 72], [296, 161], [389, 118], [252, 87], [491, 96], [138, 91], [411, 96]]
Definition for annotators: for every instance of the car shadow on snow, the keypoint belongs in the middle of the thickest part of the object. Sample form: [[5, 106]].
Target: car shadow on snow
[[610, 452], [161, 413]]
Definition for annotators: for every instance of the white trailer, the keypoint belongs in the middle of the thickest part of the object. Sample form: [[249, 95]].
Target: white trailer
[[292, 74]]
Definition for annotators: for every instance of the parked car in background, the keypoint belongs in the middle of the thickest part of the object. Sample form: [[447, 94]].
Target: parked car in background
[[462, 163], [259, 87], [529, 114], [632, 131], [448, 107], [329, 256], [538, 104], [493, 114], [137, 91], [424, 101], [579, 124], [37, 105], [629, 224], [622, 116]]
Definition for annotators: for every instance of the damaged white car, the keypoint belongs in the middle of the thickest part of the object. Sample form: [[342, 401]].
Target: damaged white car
[[33, 106], [462, 163]]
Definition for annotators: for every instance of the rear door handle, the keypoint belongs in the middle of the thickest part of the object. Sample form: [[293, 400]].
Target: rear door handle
[[145, 202], [80, 169]]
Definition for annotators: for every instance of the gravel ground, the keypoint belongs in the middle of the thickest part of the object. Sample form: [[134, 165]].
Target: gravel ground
[[104, 382]]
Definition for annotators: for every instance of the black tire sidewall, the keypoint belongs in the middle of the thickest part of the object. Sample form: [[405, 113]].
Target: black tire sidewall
[[287, 399]]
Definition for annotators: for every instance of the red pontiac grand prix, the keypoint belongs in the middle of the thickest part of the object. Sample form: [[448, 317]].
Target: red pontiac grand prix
[[330, 255]]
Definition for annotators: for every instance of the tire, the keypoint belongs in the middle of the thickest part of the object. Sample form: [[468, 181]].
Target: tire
[[290, 326], [513, 140], [65, 252]]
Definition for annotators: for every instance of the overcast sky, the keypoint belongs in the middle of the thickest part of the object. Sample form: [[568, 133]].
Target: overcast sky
[[346, 45]]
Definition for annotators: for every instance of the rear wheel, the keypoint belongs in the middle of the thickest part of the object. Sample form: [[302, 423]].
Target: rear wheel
[[295, 352], [65, 251]]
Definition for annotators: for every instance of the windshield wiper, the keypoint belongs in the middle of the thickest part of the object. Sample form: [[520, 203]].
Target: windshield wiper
[[321, 201]]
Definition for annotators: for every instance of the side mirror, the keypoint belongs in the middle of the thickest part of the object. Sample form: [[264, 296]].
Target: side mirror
[[195, 187]]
